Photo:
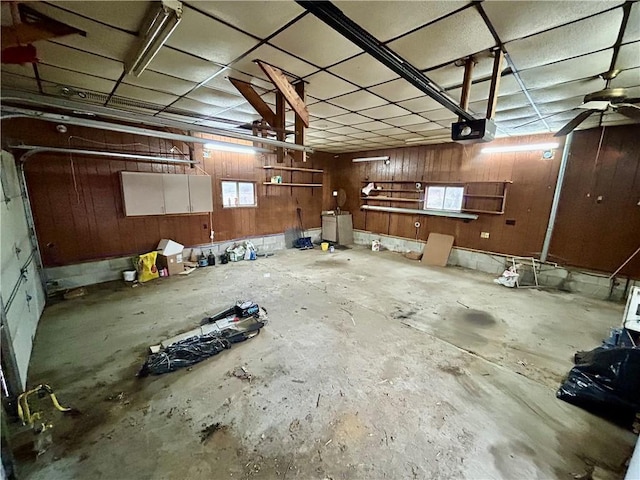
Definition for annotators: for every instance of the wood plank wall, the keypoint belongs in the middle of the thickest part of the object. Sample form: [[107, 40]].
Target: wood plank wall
[[77, 202], [601, 233], [528, 200]]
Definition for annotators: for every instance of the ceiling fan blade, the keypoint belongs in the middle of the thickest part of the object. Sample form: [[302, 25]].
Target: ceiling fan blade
[[629, 110], [578, 119]]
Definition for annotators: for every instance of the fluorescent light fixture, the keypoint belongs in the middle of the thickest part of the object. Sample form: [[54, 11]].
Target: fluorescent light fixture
[[520, 148], [159, 24], [233, 147], [371, 159]]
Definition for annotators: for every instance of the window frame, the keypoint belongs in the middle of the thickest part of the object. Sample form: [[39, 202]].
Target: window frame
[[237, 188]]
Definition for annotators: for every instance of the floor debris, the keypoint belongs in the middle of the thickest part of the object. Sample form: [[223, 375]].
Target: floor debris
[[209, 430], [242, 373]]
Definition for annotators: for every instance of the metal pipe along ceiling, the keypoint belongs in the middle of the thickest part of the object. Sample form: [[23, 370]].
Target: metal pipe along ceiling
[[12, 96], [34, 149]]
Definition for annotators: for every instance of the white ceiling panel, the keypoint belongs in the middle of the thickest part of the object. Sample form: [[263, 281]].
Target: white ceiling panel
[[567, 90], [480, 91], [385, 111], [160, 82], [323, 85], [315, 42], [215, 97], [275, 57], [514, 20], [629, 56], [18, 82], [260, 18], [363, 70], [322, 124], [324, 110], [627, 78], [397, 90], [391, 131], [100, 39], [560, 105], [25, 70], [145, 95], [65, 57], [365, 135], [181, 65], [220, 44], [221, 81], [568, 70], [76, 80], [387, 20], [350, 119], [421, 104], [127, 15], [373, 126], [196, 106], [632, 32], [444, 41], [505, 102], [357, 101], [514, 113], [452, 75], [404, 120], [585, 36], [423, 126], [439, 114]]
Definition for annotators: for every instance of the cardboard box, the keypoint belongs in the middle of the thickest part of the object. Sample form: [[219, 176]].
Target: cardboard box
[[168, 247], [173, 263]]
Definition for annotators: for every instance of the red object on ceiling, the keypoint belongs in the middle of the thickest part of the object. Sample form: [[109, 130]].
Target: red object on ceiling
[[20, 54]]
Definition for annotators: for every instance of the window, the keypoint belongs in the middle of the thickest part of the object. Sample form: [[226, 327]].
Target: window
[[238, 194], [444, 198]]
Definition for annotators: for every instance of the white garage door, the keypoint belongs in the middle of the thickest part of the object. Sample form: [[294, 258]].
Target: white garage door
[[23, 297]]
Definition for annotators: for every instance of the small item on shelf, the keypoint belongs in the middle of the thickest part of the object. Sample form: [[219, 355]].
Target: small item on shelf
[[367, 190], [276, 179]]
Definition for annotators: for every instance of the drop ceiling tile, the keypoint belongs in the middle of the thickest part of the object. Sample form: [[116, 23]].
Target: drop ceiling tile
[[363, 70], [560, 106], [567, 90], [616, 119], [221, 44], [373, 126], [322, 123], [442, 41], [339, 138], [386, 20], [567, 70], [315, 42], [421, 104], [323, 85], [313, 133], [345, 130], [324, 110], [423, 126], [111, 12], [627, 78], [181, 65], [404, 120], [215, 97], [238, 116], [404, 136], [100, 39], [357, 101], [514, 113], [480, 91], [385, 111], [628, 56], [397, 90], [350, 119], [260, 18], [505, 102], [160, 82], [365, 135], [57, 55], [632, 32], [25, 70], [439, 114], [519, 19], [391, 131], [144, 95], [585, 36], [452, 75], [288, 64], [189, 105], [75, 79], [221, 81]]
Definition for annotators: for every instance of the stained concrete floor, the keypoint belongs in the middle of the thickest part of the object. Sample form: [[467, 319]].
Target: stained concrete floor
[[372, 366]]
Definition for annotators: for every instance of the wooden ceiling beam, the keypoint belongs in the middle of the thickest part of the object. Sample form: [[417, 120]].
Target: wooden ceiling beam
[[494, 88], [255, 100], [299, 128], [466, 84], [288, 91]]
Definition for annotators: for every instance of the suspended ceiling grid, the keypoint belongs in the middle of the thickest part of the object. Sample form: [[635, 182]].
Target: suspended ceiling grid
[[558, 49]]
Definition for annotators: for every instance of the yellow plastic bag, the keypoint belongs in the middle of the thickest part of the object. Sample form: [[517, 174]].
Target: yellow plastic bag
[[147, 267]]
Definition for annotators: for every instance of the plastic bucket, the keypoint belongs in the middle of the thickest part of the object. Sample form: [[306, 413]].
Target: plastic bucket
[[324, 246], [129, 275]]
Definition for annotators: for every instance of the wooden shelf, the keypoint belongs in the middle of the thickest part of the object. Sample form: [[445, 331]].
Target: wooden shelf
[[398, 191], [392, 181], [293, 184], [391, 199], [493, 212], [418, 211], [293, 169], [473, 195]]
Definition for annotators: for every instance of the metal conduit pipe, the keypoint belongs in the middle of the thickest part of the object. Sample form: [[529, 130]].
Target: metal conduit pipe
[[67, 104], [114, 127], [34, 149]]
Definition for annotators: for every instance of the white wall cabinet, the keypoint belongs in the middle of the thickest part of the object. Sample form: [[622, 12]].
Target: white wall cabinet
[[165, 193]]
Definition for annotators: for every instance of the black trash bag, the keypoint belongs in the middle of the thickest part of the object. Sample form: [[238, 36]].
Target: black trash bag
[[606, 382]]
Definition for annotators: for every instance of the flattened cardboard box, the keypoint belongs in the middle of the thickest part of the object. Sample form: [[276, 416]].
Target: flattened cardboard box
[[173, 263]]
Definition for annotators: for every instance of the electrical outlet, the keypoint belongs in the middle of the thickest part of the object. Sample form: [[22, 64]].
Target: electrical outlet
[[484, 234]]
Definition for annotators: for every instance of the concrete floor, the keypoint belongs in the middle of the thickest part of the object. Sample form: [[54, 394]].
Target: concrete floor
[[372, 366]]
